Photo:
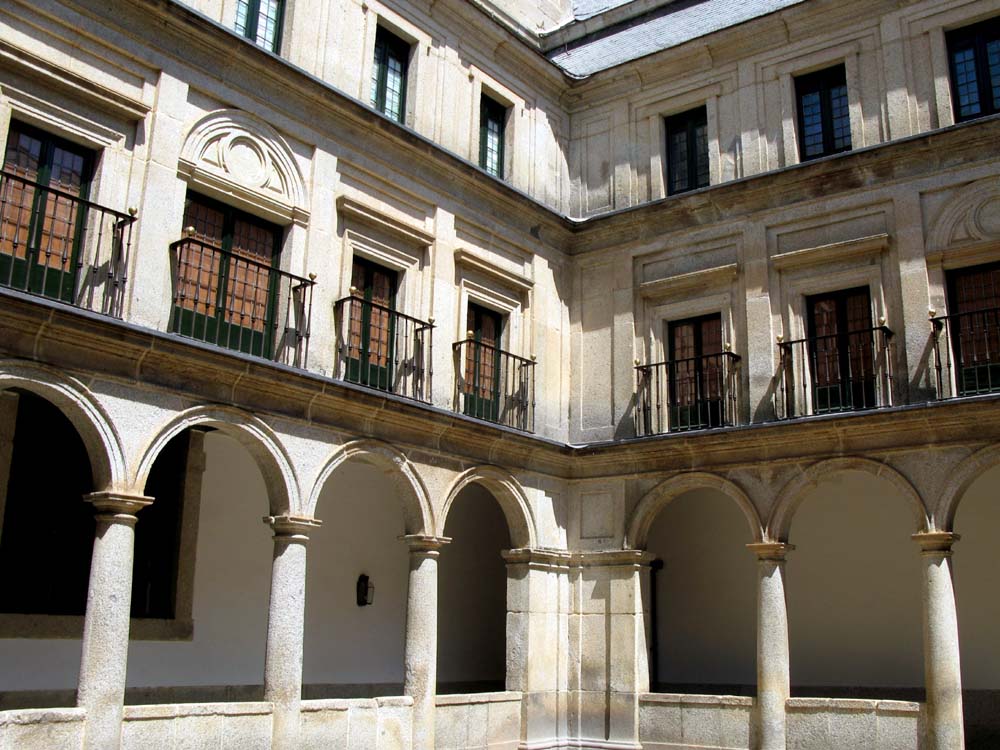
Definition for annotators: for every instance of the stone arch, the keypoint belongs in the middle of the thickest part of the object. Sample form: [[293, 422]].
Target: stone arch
[[508, 493], [960, 479], [91, 421], [237, 156], [666, 492], [417, 511], [971, 216], [795, 490], [253, 434]]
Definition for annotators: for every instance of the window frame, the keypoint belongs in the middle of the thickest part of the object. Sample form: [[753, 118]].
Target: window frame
[[253, 18], [387, 43], [822, 82], [491, 110], [688, 122], [976, 36], [987, 317]]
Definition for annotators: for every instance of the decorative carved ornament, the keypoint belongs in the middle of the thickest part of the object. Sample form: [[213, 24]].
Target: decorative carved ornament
[[971, 217], [238, 157]]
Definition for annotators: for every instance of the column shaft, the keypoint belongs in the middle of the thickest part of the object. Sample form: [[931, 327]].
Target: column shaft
[[103, 664], [420, 682], [285, 627], [942, 658], [773, 682]]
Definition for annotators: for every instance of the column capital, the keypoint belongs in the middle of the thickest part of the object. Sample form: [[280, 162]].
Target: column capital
[[117, 506], [292, 528], [771, 551], [424, 543], [936, 542]]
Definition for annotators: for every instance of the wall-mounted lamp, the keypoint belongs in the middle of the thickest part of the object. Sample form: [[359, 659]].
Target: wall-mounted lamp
[[366, 591]]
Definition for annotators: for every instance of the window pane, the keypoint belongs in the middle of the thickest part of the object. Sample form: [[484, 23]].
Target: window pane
[[394, 88], [267, 24], [812, 125], [993, 62], [963, 63], [841, 118], [242, 15]]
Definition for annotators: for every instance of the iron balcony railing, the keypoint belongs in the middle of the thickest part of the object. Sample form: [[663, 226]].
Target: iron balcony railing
[[63, 247], [835, 373], [237, 302], [494, 385], [966, 353], [687, 394], [383, 349]]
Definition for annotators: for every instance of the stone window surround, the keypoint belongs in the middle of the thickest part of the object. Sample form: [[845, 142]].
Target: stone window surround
[[657, 113], [786, 71], [489, 286], [483, 85], [420, 44], [178, 628]]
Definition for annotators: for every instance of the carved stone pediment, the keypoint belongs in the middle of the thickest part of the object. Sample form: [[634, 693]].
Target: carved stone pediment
[[238, 157], [972, 216]]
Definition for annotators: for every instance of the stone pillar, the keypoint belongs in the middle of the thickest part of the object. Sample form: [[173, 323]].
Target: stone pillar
[[420, 682], [285, 627], [101, 690], [942, 665], [773, 682]]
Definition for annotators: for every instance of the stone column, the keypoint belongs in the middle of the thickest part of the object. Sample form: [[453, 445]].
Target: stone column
[[942, 664], [101, 690], [285, 626], [420, 682], [773, 682]]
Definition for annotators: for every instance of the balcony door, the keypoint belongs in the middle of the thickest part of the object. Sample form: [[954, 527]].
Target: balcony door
[[841, 351], [974, 306], [482, 363], [226, 285], [372, 325], [696, 373], [41, 211]]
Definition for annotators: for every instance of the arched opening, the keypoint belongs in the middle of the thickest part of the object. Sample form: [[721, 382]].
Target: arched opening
[[46, 543], [976, 560], [702, 607], [211, 491], [472, 595], [354, 647], [853, 590]]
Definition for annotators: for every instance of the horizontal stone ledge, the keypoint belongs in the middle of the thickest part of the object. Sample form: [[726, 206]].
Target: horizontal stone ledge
[[577, 744], [686, 699], [41, 716], [460, 699], [858, 705], [346, 704], [178, 710]]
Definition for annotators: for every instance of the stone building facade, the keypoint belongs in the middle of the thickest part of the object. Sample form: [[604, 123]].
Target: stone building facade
[[609, 375]]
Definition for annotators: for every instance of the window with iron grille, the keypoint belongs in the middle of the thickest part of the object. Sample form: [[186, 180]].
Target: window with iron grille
[[687, 151], [392, 59], [260, 21], [42, 211], [492, 123], [974, 315], [974, 64], [696, 373], [226, 283], [842, 351], [483, 363], [824, 116]]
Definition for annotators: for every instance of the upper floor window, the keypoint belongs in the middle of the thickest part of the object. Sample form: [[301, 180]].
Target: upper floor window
[[824, 117], [42, 210], [227, 278], [842, 351], [260, 21], [392, 58], [974, 60], [974, 327], [492, 123], [373, 324], [696, 371], [687, 151]]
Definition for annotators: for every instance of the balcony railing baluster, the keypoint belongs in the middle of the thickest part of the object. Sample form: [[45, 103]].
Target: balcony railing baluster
[[383, 349], [966, 353], [835, 373], [494, 385], [687, 394], [238, 303], [55, 244]]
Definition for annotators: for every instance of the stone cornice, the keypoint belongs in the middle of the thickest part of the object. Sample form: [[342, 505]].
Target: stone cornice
[[74, 340]]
